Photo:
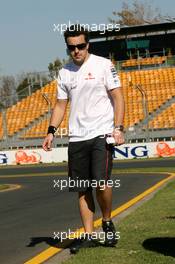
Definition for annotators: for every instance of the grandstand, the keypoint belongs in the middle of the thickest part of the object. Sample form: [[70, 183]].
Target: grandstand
[[149, 90], [29, 118]]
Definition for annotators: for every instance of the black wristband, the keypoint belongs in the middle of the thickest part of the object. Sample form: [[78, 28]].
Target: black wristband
[[52, 130], [120, 128]]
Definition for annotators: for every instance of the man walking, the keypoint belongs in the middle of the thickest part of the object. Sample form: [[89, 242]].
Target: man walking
[[93, 88]]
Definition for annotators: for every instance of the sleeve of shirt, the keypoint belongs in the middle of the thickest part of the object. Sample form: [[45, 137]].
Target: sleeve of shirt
[[112, 79], [62, 92]]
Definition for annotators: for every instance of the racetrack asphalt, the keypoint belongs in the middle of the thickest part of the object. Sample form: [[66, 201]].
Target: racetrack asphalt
[[30, 215]]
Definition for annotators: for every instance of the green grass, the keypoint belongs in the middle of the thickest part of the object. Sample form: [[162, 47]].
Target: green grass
[[34, 165], [154, 220], [3, 186], [65, 163], [115, 171], [144, 170]]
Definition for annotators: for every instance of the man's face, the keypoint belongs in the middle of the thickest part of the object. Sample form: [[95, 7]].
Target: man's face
[[79, 53]]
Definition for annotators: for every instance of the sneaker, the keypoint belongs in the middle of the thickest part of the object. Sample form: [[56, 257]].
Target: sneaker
[[110, 233], [79, 243]]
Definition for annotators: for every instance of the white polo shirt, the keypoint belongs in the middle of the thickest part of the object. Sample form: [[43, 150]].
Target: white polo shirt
[[87, 86]]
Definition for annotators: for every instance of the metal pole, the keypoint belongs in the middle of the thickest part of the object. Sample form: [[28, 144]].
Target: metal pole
[[5, 130], [45, 96]]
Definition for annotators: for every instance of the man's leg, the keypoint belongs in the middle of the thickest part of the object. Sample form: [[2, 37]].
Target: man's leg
[[79, 171], [101, 168], [87, 209], [104, 198], [101, 171]]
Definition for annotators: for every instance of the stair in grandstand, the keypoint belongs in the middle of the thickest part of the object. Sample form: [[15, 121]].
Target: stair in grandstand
[[28, 111], [34, 122], [156, 112]]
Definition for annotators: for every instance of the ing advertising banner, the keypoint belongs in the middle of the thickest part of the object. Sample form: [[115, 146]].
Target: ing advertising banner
[[145, 150], [126, 151]]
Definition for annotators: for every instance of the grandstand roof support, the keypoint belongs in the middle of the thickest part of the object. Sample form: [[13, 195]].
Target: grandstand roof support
[[5, 130], [145, 108]]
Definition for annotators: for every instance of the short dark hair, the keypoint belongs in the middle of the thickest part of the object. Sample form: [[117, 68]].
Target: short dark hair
[[75, 31]]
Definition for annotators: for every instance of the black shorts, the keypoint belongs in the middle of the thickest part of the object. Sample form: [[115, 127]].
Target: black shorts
[[89, 163]]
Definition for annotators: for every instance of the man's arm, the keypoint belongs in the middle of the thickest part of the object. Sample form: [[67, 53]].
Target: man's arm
[[119, 110], [55, 121], [58, 112]]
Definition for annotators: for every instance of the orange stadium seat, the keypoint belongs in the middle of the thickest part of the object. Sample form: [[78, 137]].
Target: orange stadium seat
[[144, 61], [158, 84]]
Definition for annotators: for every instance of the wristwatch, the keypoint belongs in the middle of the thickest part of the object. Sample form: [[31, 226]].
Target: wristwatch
[[119, 128]]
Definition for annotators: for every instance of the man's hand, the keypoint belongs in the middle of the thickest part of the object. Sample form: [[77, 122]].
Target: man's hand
[[118, 136], [48, 142]]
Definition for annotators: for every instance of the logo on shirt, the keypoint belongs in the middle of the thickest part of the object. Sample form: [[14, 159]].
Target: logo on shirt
[[114, 74], [89, 76], [113, 71]]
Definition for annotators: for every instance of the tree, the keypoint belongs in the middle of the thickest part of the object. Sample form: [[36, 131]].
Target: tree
[[54, 68], [29, 82], [22, 90], [137, 13], [7, 91]]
